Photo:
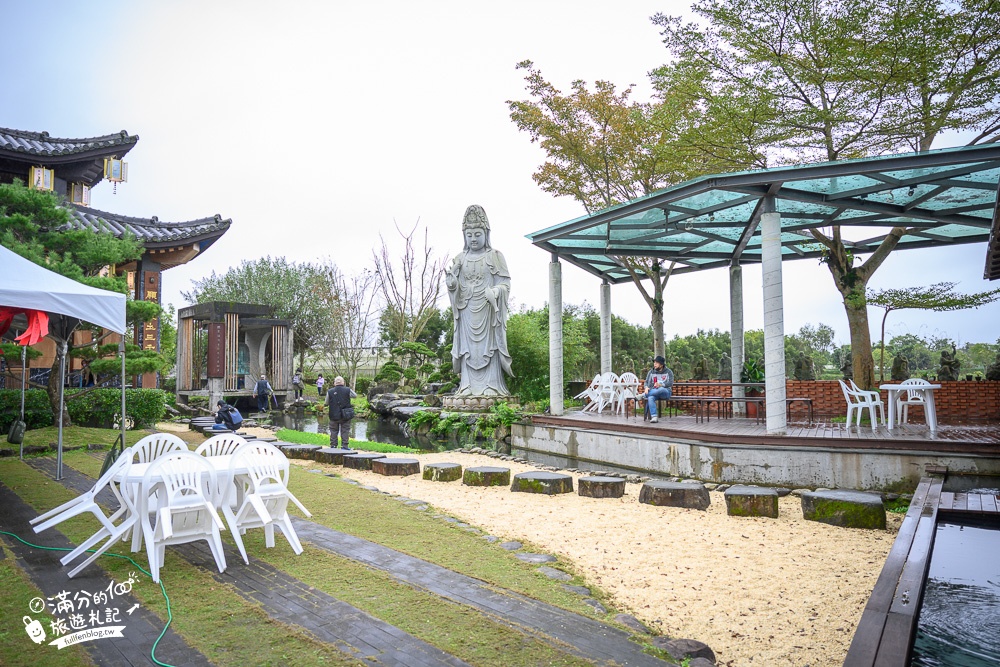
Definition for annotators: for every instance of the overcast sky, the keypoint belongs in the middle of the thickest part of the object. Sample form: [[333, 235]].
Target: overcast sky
[[318, 126]]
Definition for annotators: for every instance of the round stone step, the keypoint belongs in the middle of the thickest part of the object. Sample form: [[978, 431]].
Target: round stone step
[[442, 472], [486, 476], [331, 455], [361, 461], [300, 451], [397, 467], [751, 501], [602, 487], [850, 509], [549, 483], [691, 495]]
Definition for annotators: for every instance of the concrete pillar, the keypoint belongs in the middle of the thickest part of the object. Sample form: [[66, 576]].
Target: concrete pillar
[[736, 332], [605, 327], [555, 337], [774, 321]]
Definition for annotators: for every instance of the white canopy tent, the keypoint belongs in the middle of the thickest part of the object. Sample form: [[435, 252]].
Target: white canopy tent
[[24, 284]]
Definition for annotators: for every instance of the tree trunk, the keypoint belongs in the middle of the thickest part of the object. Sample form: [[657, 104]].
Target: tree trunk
[[53, 391], [861, 341], [657, 323]]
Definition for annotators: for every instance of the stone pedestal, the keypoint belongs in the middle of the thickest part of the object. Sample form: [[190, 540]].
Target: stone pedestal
[[751, 501], [442, 472], [851, 509], [475, 403], [675, 494], [602, 487], [549, 483], [397, 467], [300, 451], [361, 461], [331, 455], [486, 476]]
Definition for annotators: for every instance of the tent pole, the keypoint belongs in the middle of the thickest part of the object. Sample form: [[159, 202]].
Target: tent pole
[[62, 408], [121, 351], [24, 365]]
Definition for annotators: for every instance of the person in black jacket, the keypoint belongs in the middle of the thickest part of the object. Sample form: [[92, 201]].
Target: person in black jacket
[[262, 392], [227, 417], [341, 412]]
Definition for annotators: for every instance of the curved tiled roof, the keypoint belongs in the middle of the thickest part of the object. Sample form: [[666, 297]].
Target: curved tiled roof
[[42, 145], [152, 232]]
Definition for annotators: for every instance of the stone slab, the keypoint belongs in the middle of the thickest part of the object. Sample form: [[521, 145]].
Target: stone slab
[[396, 467], [549, 483], [362, 461], [850, 509], [486, 476], [300, 451], [675, 494], [331, 455], [751, 501], [442, 472], [601, 487]]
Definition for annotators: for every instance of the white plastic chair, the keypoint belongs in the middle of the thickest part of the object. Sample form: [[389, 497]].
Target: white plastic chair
[[224, 444], [910, 397], [859, 400], [149, 449], [189, 493], [590, 393], [607, 391], [265, 496], [628, 389], [114, 526]]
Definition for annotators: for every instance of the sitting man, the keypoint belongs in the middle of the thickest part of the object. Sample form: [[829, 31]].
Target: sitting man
[[227, 418], [659, 384]]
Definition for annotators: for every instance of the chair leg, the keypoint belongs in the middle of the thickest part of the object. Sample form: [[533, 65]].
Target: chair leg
[[215, 544], [285, 526]]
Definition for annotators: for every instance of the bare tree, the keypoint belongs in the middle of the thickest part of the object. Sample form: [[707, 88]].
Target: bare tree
[[353, 304], [410, 285]]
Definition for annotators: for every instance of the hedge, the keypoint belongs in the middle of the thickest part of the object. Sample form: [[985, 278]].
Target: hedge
[[96, 407]]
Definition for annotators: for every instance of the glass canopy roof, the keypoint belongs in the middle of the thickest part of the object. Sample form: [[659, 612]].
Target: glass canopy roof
[[942, 197]]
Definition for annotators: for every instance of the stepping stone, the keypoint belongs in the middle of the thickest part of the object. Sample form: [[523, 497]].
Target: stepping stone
[[598, 607], [684, 649], [675, 494], [553, 573], [579, 590], [850, 509], [442, 472], [361, 461], [632, 623], [549, 483], [486, 476], [396, 467], [602, 487], [535, 558], [301, 451], [331, 455], [751, 501], [511, 546]]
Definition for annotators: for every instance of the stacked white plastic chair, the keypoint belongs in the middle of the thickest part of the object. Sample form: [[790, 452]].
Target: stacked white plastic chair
[[628, 389], [147, 450], [859, 400], [910, 397], [265, 496], [590, 393], [114, 526], [224, 444], [189, 493], [607, 391]]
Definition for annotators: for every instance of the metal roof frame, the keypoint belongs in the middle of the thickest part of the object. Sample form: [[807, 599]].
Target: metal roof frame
[[941, 197]]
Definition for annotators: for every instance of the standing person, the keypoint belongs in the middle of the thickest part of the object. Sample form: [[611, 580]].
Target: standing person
[[297, 384], [319, 385], [262, 392], [341, 412], [659, 384]]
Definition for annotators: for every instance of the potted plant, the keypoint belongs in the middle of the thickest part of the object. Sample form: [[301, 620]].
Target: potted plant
[[753, 371]]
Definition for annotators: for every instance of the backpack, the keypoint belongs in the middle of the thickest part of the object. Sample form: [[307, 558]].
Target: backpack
[[236, 417]]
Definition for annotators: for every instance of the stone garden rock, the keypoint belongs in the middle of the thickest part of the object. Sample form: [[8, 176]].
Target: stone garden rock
[[751, 501], [549, 483], [442, 472], [331, 455], [851, 509], [362, 461], [675, 494], [553, 573], [404, 412], [396, 466], [681, 649], [632, 623], [486, 476], [601, 487]]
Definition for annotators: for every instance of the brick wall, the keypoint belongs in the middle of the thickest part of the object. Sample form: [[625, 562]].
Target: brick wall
[[956, 402]]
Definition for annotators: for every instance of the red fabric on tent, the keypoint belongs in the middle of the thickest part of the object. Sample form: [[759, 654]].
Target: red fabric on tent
[[38, 324]]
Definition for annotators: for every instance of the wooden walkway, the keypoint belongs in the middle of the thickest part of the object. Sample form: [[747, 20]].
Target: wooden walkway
[[972, 439]]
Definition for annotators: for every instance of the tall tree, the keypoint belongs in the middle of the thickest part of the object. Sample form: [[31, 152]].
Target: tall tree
[[939, 297], [851, 79], [409, 283], [35, 226], [352, 302], [294, 290]]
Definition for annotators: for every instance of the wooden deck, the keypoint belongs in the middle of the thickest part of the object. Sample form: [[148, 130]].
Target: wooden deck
[[970, 439], [889, 622]]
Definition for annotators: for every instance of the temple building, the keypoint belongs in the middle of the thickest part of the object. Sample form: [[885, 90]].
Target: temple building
[[71, 168]]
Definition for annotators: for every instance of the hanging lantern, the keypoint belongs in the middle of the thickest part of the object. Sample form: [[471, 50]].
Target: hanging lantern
[[80, 194], [116, 171], [42, 179]]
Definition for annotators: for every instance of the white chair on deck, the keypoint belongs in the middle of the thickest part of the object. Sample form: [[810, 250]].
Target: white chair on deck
[[607, 391], [189, 495], [265, 496], [910, 397], [114, 526], [590, 393], [628, 389], [859, 401], [224, 444]]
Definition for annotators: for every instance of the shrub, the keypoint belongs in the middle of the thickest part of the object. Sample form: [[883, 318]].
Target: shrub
[[362, 385], [98, 407], [37, 411]]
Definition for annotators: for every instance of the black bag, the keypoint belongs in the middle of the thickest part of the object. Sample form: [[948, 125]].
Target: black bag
[[347, 413], [15, 435]]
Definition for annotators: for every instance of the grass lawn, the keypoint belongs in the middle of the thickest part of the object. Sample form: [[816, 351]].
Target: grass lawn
[[231, 631]]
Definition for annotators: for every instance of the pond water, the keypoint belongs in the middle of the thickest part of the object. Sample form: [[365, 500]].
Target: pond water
[[959, 623]]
